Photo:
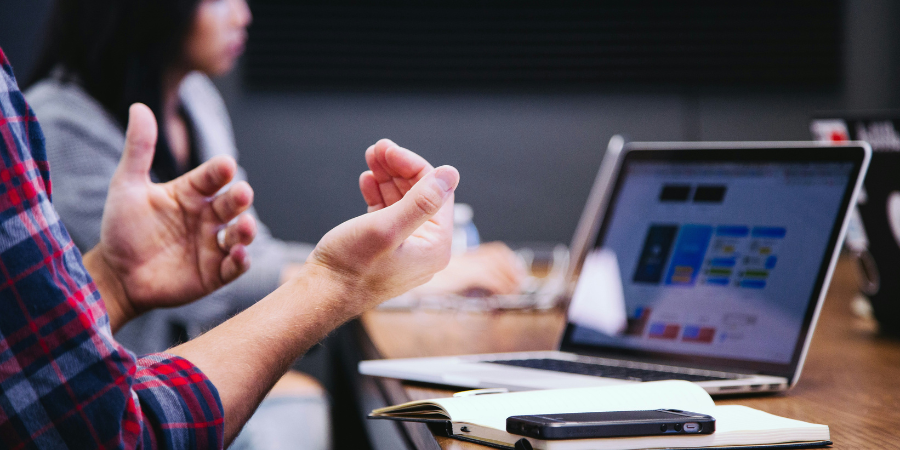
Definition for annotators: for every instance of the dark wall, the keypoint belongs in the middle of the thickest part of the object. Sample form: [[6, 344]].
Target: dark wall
[[21, 25], [527, 160]]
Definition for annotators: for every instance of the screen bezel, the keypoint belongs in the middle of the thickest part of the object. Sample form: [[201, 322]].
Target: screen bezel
[[737, 152]]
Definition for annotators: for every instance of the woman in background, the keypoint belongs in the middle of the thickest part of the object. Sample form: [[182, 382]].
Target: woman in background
[[100, 56]]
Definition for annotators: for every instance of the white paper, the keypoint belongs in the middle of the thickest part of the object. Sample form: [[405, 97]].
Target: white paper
[[598, 302]]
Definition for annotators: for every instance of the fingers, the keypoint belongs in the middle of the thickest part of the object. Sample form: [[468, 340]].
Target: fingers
[[233, 202], [208, 178], [235, 264], [368, 185], [422, 203], [241, 232], [237, 237], [391, 160], [395, 169], [140, 143]]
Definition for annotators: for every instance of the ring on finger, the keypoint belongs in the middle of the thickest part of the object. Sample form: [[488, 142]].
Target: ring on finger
[[220, 239]]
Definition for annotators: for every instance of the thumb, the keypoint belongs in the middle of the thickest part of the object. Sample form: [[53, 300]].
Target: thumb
[[140, 142], [422, 203]]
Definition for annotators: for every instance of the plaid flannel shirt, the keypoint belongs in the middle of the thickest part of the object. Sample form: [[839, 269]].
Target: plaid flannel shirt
[[64, 381]]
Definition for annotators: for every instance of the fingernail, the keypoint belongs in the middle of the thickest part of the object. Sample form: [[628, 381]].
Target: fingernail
[[445, 179]]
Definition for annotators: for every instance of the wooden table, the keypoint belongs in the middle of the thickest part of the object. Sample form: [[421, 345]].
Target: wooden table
[[851, 379]]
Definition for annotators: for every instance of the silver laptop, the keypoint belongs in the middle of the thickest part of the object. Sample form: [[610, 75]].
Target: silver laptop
[[706, 262]]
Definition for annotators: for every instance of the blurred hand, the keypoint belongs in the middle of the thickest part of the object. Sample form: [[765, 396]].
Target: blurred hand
[[158, 242], [405, 237], [489, 269]]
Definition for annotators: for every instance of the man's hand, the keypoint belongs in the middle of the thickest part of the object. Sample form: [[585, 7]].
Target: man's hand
[[492, 268], [401, 243], [405, 237], [158, 242]]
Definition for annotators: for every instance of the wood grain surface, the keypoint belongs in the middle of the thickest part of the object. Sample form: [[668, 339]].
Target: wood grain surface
[[850, 382]]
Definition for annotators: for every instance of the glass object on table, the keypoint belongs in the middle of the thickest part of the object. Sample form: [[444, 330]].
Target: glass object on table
[[465, 234]]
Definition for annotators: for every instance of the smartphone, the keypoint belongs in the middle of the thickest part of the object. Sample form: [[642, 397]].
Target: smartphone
[[611, 424]]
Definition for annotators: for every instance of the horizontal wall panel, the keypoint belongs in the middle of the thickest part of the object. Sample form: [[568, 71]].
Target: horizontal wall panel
[[542, 44]]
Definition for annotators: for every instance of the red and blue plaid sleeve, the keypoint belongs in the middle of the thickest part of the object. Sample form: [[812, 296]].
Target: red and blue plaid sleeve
[[64, 381]]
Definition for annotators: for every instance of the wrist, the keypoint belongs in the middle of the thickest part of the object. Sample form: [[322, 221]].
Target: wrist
[[289, 271], [112, 291], [341, 293]]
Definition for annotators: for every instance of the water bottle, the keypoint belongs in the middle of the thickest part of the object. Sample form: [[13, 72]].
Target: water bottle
[[465, 235]]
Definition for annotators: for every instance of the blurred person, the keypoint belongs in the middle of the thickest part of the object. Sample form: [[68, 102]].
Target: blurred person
[[67, 383]]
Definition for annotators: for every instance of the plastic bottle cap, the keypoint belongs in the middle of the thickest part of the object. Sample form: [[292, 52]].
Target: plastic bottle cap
[[462, 214]]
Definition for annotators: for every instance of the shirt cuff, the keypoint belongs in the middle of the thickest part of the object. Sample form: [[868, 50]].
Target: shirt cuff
[[180, 405]]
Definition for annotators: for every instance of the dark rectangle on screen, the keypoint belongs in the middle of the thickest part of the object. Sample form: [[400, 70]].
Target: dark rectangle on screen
[[675, 193], [710, 194], [655, 254]]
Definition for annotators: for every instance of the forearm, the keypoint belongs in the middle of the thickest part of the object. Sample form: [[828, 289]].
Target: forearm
[[246, 355]]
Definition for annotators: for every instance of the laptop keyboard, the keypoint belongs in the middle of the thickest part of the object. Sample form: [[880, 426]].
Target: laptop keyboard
[[598, 370]]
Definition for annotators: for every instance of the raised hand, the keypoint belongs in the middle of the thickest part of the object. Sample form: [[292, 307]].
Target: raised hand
[[491, 268], [404, 239], [158, 242]]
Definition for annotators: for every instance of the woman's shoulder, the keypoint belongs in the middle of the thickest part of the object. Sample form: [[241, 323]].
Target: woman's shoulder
[[65, 104]]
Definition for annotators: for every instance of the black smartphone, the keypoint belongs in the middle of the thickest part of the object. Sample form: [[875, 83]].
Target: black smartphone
[[611, 424]]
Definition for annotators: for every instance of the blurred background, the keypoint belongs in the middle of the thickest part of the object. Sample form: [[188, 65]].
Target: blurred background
[[521, 96]]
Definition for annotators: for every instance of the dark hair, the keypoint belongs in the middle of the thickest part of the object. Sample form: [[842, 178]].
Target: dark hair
[[118, 50]]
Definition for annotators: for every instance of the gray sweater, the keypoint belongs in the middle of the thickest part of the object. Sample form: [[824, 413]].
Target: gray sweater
[[84, 144]]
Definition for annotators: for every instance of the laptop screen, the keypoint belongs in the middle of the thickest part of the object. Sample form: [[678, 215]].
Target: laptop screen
[[721, 254]]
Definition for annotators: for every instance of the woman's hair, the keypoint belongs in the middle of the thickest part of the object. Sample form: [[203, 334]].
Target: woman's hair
[[118, 50]]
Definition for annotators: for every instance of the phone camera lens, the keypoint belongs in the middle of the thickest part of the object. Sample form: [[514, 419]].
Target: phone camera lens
[[677, 427]]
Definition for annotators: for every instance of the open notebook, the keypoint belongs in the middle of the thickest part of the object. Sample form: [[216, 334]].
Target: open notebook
[[482, 418]]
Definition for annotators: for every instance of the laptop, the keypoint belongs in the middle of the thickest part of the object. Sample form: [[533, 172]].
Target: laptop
[[715, 257]]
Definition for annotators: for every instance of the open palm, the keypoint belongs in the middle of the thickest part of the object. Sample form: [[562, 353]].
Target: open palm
[[160, 240]]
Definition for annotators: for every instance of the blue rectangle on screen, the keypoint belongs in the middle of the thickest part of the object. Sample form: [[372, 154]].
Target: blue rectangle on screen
[[690, 250], [769, 232], [771, 261], [657, 328], [723, 262], [753, 284], [717, 281], [732, 230], [691, 332]]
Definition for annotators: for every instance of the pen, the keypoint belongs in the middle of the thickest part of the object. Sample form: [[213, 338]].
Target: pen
[[475, 392]]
